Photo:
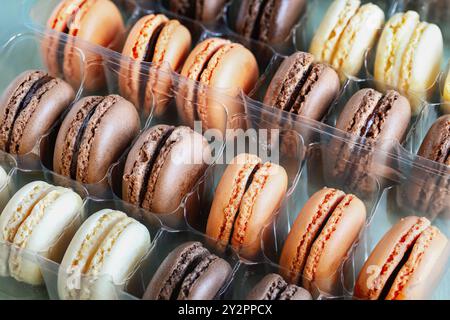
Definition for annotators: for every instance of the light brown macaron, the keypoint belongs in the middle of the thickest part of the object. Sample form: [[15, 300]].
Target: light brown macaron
[[322, 235], [246, 199], [93, 136], [405, 264], [96, 21], [165, 44], [225, 66]]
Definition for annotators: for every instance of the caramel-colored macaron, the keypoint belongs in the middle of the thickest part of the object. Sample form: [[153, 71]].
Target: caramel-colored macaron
[[93, 135], [246, 199], [323, 233], [221, 64], [96, 21], [164, 43], [405, 263]]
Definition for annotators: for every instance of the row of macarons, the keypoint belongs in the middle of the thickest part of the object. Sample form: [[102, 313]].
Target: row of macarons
[[108, 247], [342, 40]]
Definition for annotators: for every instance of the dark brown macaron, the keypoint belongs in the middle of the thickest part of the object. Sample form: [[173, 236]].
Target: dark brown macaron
[[273, 287], [94, 134], [29, 107], [270, 21], [190, 272], [303, 87], [202, 10], [436, 145], [163, 166]]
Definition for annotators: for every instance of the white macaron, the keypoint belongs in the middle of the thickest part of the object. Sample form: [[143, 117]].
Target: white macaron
[[102, 256], [32, 222]]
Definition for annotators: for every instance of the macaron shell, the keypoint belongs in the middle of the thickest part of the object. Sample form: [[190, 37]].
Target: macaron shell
[[294, 292], [436, 143], [101, 13], [83, 246], [386, 256], [186, 161], [423, 59], [46, 223], [305, 229], [211, 9], [333, 244], [426, 263], [205, 282], [267, 288], [247, 16], [391, 46], [120, 124], [333, 24], [359, 35], [40, 115], [228, 196], [117, 257], [258, 207]]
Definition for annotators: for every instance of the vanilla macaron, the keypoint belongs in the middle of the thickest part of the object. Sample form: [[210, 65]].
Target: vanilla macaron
[[446, 92], [34, 220], [3, 177], [346, 33], [409, 56], [102, 255]]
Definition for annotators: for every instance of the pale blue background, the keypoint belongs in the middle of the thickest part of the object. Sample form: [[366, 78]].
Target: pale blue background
[[10, 19]]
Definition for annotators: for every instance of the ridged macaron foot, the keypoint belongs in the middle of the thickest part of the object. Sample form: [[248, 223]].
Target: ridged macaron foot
[[409, 56], [189, 272], [83, 20], [246, 199], [269, 21], [303, 87], [226, 67], [273, 287], [322, 235], [165, 44], [93, 135], [34, 220], [102, 255], [345, 34], [405, 263], [202, 10], [161, 155], [29, 107]]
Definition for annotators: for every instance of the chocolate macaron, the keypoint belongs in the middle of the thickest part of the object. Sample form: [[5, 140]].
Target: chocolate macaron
[[96, 21], [269, 21], [202, 10], [29, 107], [273, 287], [163, 166], [220, 64], [190, 272], [246, 200], [323, 233], [303, 87], [405, 264], [164, 43], [93, 135]]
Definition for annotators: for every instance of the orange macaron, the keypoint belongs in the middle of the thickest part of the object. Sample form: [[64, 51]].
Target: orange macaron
[[323, 233], [405, 264]]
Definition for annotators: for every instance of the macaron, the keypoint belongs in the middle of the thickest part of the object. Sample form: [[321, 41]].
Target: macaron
[[303, 87], [322, 235], [446, 92], [93, 136], [405, 263], [269, 21], [201, 10], [189, 272], [347, 31], [102, 256], [3, 178], [409, 55], [229, 67], [96, 21], [163, 166], [29, 107], [273, 287], [246, 199], [34, 220], [164, 43]]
